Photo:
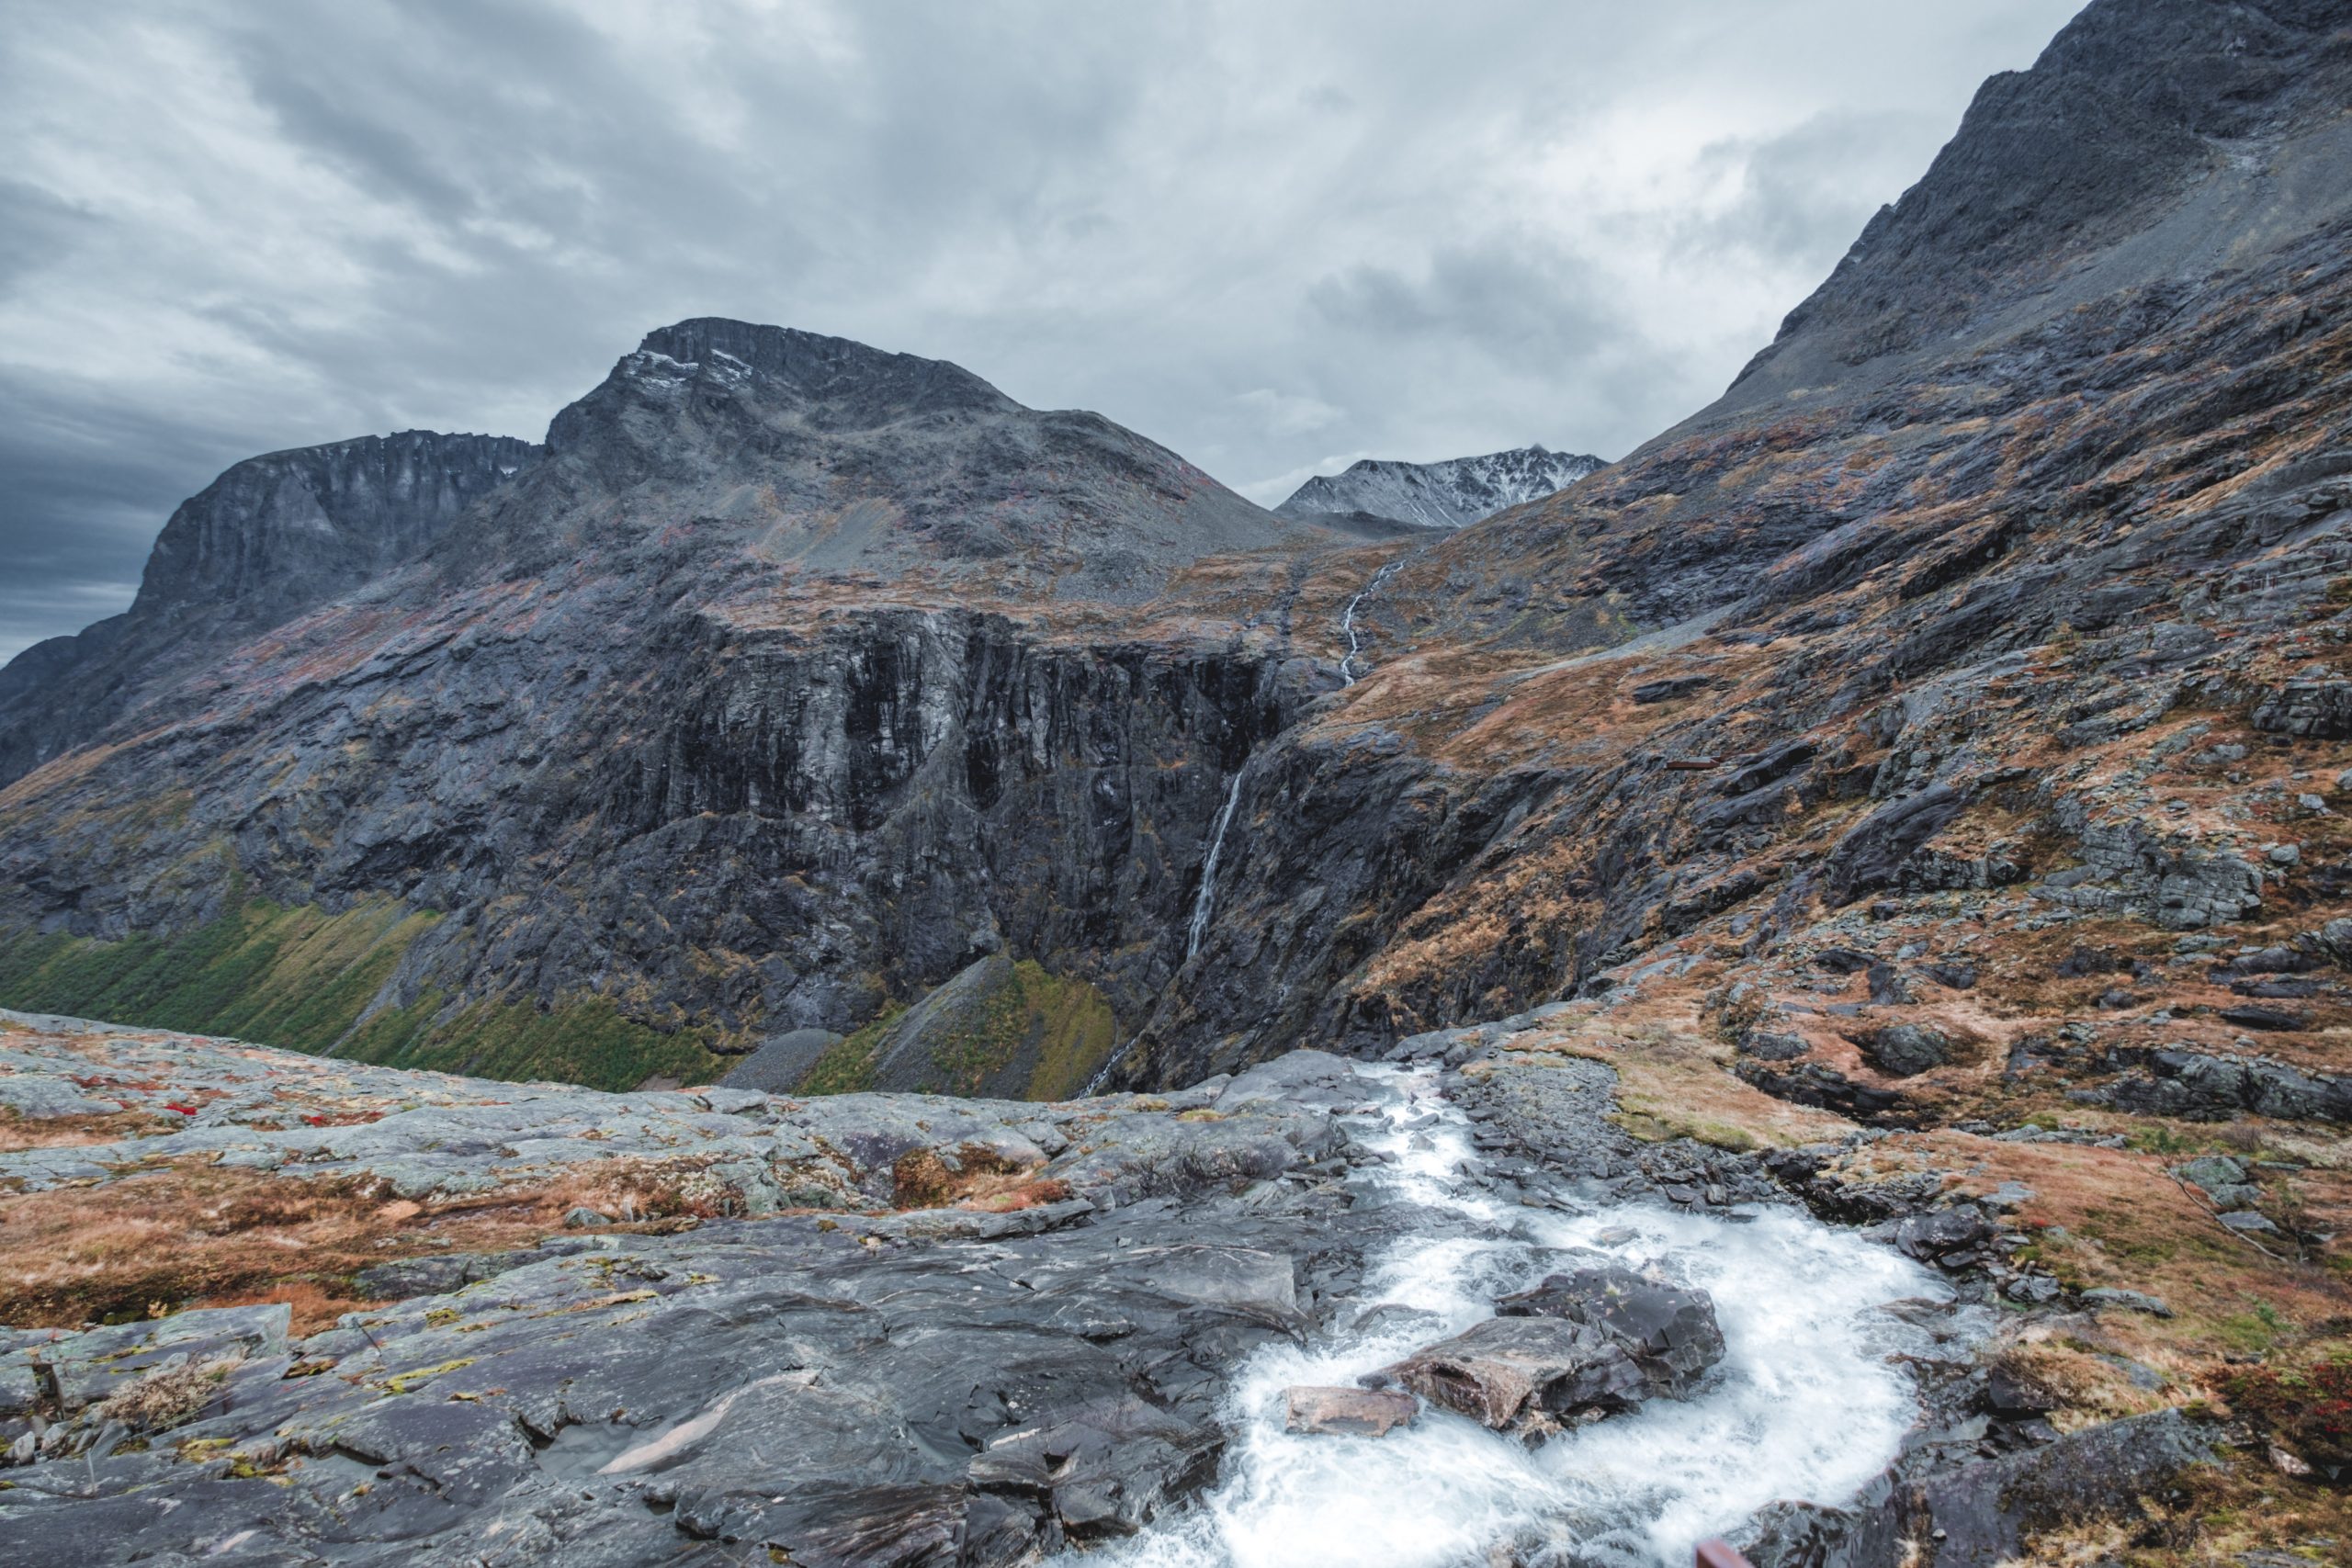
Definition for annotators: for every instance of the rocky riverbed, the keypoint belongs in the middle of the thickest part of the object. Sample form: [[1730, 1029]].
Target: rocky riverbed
[[907, 1329]]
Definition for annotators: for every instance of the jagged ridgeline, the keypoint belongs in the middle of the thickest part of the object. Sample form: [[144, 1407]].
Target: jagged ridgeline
[[791, 680]]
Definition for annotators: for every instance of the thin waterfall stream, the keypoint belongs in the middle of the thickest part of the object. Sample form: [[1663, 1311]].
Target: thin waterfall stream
[[1348, 618], [1204, 901], [1204, 905], [1807, 1404]]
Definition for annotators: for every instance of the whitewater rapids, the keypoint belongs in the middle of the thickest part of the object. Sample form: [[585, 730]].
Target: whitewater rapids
[[1806, 1404]]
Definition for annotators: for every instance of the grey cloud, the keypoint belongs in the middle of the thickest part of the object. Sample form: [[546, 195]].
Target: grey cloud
[[1525, 307], [1263, 235], [1814, 186]]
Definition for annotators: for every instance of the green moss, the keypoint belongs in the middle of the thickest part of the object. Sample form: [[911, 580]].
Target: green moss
[[302, 978], [848, 1067], [290, 976], [1062, 1029], [1077, 1031], [582, 1040]]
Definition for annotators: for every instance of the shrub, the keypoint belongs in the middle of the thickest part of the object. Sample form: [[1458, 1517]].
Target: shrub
[[2308, 1411]]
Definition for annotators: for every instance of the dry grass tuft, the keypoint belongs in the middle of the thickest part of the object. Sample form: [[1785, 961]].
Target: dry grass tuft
[[168, 1395]]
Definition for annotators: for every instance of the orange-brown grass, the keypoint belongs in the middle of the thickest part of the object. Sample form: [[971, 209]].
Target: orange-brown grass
[[1672, 1080], [190, 1233], [986, 1180], [18, 1133], [2115, 1217]]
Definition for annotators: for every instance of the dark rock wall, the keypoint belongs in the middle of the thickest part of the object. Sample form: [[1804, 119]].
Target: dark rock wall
[[749, 831]]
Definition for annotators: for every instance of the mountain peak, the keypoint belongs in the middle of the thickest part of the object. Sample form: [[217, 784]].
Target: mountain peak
[[834, 370], [1448, 494], [2138, 112]]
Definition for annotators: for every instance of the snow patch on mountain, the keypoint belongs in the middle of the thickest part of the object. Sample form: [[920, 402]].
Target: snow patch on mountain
[[1448, 494]]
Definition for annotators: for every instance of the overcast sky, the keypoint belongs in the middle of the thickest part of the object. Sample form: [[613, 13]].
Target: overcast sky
[[1276, 236]]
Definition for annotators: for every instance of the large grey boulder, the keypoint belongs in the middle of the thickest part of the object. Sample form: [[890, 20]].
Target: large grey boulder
[[1581, 1345]]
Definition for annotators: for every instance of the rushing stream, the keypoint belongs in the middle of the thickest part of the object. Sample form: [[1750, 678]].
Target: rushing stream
[[1804, 1405]]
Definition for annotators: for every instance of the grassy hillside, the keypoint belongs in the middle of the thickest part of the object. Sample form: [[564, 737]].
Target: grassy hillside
[[301, 978]]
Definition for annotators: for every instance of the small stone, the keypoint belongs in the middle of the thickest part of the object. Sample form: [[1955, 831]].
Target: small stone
[[2033, 1288], [1347, 1412], [2009, 1195], [2286, 1463], [2247, 1220], [583, 1217], [2106, 1296], [2285, 854]]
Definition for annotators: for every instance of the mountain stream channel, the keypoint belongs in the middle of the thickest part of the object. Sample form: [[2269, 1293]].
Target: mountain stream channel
[[1808, 1402]]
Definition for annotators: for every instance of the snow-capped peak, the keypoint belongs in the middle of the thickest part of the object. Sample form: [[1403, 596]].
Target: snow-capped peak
[[1446, 494]]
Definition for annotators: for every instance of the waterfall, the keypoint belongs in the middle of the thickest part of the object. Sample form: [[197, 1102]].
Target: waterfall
[[1347, 619], [1202, 902], [1206, 897]]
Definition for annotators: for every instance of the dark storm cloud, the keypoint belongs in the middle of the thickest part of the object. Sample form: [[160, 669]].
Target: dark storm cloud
[[1274, 238]]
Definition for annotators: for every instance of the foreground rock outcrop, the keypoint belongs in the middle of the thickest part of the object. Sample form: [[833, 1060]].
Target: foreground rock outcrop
[[972, 1332]]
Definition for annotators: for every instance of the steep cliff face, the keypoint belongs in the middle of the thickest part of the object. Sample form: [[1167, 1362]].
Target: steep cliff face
[[272, 537], [278, 534]]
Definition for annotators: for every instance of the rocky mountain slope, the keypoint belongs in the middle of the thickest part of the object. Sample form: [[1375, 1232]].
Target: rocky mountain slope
[[272, 537], [1447, 494]]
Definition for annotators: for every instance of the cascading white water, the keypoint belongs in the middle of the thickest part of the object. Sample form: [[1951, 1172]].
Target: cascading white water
[[1804, 1403], [1348, 620], [1206, 899]]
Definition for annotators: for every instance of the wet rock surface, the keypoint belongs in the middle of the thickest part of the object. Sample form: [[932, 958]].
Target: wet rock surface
[[1347, 1412], [873, 1384], [1584, 1344]]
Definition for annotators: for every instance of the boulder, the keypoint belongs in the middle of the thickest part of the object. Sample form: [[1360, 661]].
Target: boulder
[[1584, 1344], [1949, 1237], [1506, 1371], [2257, 1017], [2222, 1178], [2106, 1296], [1901, 1050], [1669, 1330]]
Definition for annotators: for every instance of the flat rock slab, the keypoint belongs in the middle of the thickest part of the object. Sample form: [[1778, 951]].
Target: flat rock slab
[[1347, 1412]]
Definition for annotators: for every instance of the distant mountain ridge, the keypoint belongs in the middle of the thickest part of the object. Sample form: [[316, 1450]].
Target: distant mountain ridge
[[1448, 494]]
